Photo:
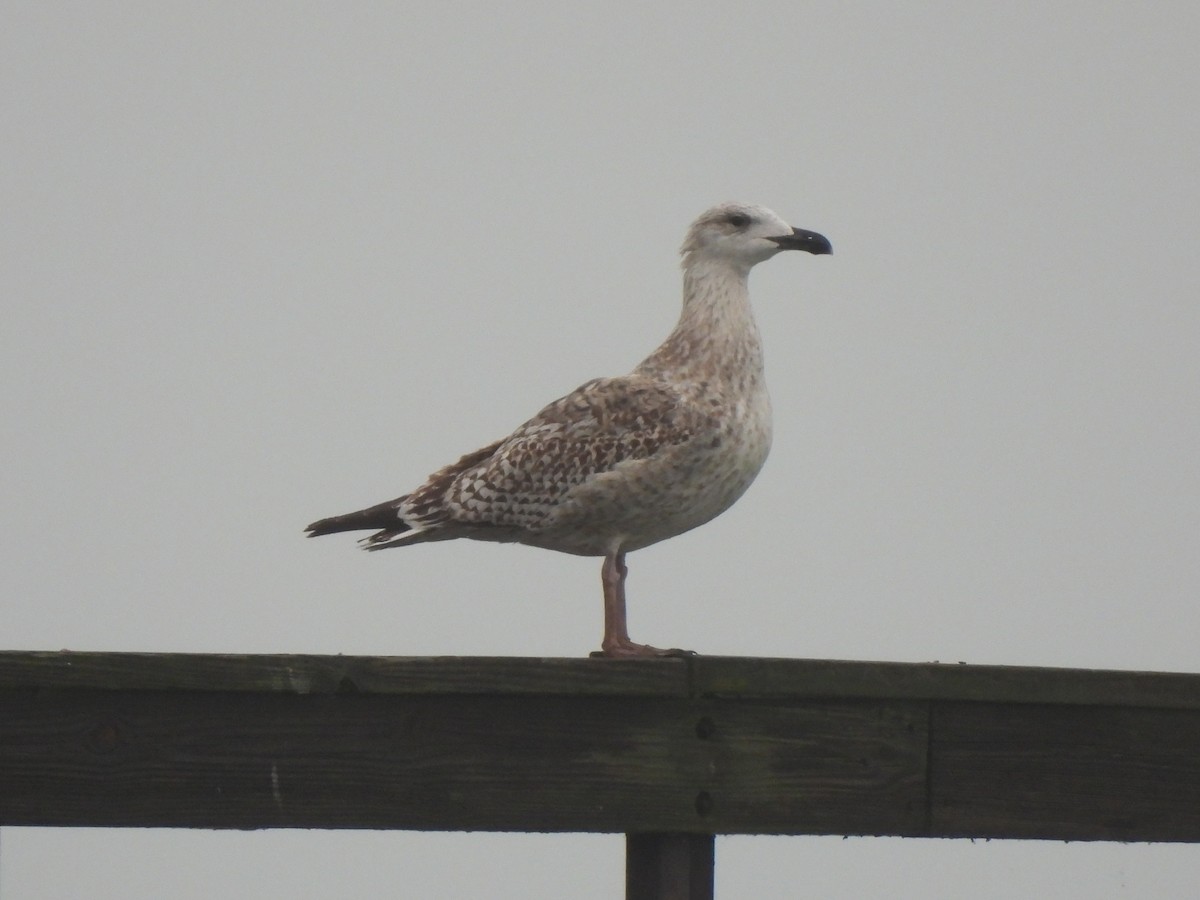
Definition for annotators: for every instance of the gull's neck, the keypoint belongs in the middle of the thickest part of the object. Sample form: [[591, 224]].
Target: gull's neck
[[716, 337]]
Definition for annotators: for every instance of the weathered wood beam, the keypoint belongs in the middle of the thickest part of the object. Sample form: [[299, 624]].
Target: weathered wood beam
[[699, 746]]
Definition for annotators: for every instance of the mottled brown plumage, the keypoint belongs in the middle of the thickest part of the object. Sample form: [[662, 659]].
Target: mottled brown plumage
[[622, 463]]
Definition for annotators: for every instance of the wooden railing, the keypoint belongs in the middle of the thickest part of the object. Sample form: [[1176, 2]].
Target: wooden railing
[[669, 752]]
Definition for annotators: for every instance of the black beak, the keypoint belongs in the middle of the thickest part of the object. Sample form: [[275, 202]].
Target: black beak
[[808, 241]]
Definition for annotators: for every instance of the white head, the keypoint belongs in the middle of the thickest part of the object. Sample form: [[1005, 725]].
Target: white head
[[742, 235]]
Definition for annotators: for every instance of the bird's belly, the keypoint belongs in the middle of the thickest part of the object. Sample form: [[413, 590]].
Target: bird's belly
[[707, 486], [642, 502]]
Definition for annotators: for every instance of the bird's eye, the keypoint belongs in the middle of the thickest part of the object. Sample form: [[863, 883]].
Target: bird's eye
[[738, 220]]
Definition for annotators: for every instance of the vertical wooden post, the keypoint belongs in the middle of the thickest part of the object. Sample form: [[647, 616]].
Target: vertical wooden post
[[669, 866]]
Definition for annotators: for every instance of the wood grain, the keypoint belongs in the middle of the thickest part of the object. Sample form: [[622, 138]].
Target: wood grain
[[1084, 773], [682, 746]]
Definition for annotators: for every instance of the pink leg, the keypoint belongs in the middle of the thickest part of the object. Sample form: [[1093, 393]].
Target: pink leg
[[616, 641]]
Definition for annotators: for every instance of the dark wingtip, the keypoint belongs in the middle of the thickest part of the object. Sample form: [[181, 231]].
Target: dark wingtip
[[381, 516]]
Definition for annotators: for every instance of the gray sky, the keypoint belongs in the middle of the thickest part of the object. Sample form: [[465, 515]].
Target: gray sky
[[264, 263]]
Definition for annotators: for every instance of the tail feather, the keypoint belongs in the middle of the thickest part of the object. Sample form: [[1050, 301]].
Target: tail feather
[[381, 517]]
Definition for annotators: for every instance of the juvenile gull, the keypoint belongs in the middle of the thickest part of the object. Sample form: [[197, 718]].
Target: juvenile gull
[[622, 463]]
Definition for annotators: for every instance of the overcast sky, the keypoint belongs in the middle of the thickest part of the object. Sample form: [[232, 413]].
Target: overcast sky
[[267, 262]]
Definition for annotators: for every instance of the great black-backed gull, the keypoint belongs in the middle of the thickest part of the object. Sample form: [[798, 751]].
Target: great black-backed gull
[[622, 463]]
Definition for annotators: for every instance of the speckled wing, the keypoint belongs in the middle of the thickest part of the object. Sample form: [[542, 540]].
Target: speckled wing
[[522, 484]]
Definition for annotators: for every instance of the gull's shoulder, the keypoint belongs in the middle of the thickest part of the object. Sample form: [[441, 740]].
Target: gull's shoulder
[[624, 405]]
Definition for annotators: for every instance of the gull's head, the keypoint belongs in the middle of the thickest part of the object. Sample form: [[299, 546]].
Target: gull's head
[[742, 235]]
